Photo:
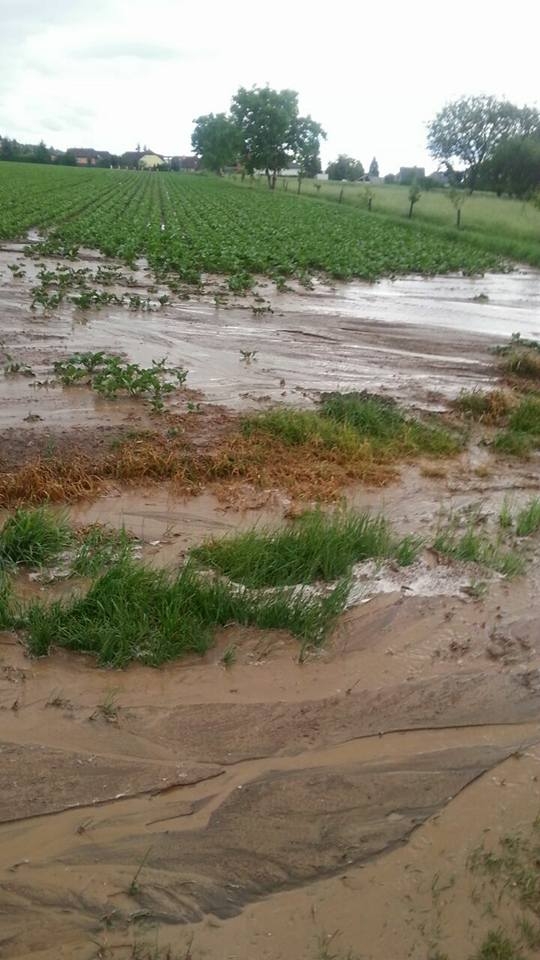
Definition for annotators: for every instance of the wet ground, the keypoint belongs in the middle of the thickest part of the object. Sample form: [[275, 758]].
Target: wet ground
[[277, 810]]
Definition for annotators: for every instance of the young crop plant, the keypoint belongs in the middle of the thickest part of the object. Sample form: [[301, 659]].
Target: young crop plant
[[111, 376], [214, 225]]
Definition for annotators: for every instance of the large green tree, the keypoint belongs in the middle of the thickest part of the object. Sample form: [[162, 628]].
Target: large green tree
[[216, 141], [374, 168], [309, 136], [345, 168], [469, 130], [514, 167], [272, 132]]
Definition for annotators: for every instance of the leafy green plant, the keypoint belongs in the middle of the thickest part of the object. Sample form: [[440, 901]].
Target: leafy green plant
[[111, 376]]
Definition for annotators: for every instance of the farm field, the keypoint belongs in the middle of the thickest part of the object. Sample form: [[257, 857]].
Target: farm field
[[269, 579], [503, 225], [190, 224]]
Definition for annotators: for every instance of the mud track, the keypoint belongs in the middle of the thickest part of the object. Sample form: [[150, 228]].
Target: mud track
[[262, 807]]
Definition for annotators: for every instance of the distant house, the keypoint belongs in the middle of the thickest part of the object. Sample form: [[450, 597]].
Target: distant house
[[87, 157], [440, 177], [184, 163], [408, 174], [141, 160]]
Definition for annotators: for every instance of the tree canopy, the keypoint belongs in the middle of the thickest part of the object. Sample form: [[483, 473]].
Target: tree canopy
[[514, 167], [469, 130], [345, 168], [216, 141], [263, 131], [374, 168], [273, 134]]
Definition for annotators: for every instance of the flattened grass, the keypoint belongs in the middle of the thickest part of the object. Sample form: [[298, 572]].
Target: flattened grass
[[132, 612], [318, 546]]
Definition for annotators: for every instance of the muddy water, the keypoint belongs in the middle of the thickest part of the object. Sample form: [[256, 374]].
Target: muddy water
[[411, 337], [270, 805]]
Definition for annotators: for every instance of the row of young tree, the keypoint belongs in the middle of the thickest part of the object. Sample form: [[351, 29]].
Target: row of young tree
[[496, 142]]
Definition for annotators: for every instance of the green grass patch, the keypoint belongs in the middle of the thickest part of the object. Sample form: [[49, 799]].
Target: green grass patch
[[472, 545], [296, 427], [132, 612], [319, 546], [522, 434], [526, 417], [356, 421], [512, 443], [33, 538], [381, 421]]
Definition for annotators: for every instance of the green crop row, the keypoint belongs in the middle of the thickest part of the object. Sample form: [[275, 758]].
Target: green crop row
[[186, 225]]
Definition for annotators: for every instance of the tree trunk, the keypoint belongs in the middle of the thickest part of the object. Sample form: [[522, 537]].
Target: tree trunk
[[458, 218], [298, 189], [411, 209], [274, 178], [267, 171], [370, 201]]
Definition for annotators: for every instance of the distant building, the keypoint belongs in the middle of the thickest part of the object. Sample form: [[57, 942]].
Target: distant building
[[440, 177], [141, 160], [321, 176], [408, 174], [184, 163], [87, 157]]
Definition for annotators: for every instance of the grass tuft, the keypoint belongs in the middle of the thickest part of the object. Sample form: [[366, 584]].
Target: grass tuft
[[99, 548], [33, 538], [318, 547], [7, 616], [497, 946], [474, 546], [528, 519], [526, 417], [488, 407], [133, 612]]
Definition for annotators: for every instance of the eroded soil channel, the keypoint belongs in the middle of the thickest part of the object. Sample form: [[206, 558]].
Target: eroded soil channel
[[259, 807]]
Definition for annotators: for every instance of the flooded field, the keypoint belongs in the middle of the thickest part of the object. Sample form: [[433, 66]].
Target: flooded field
[[253, 803]]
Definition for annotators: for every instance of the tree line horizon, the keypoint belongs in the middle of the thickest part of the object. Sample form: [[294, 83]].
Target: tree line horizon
[[480, 142]]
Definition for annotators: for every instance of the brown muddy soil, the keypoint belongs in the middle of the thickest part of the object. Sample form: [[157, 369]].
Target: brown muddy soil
[[272, 809]]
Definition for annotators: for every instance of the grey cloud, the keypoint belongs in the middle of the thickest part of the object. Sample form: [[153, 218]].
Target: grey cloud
[[135, 49]]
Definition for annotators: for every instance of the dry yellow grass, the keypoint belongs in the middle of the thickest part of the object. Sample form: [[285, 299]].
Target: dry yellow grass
[[308, 471]]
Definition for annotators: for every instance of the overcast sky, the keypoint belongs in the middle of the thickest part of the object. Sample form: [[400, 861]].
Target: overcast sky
[[111, 73]]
